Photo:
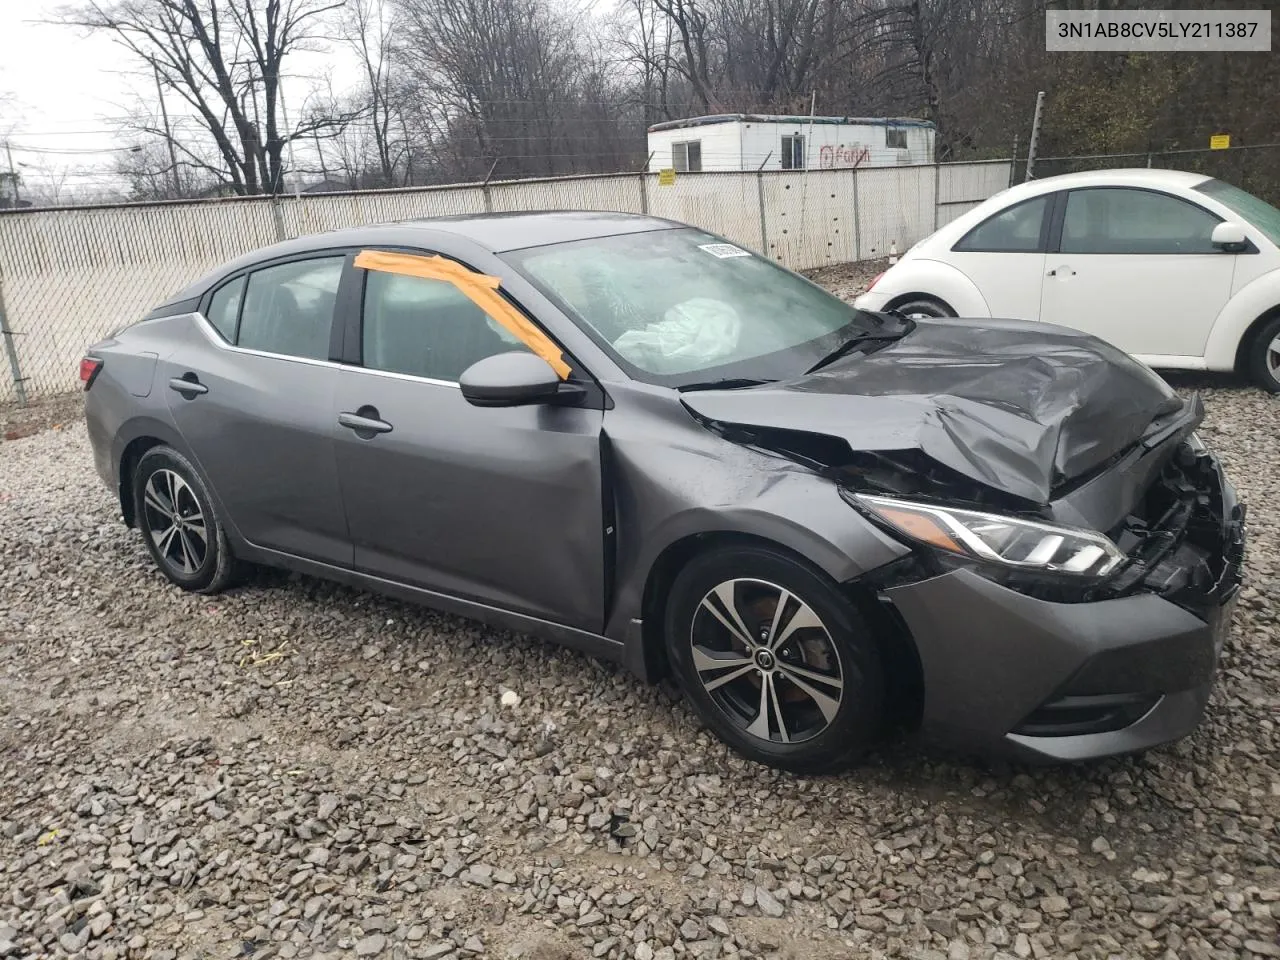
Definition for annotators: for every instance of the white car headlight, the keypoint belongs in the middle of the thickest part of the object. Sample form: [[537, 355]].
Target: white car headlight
[[1011, 541]]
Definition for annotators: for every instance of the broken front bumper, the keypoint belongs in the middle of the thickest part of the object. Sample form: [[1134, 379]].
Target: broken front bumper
[[1009, 672]]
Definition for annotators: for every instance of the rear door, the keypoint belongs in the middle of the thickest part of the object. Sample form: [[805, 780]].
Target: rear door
[[1004, 257], [253, 398], [498, 505], [1136, 267]]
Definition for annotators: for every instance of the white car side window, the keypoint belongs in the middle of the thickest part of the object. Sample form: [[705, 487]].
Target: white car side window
[[1117, 220], [1016, 229]]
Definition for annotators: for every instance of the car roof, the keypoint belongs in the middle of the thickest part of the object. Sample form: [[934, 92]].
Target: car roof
[[1127, 177], [496, 232]]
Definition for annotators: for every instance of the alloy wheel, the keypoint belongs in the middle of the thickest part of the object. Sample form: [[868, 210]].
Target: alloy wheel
[[175, 521], [1273, 358], [767, 660]]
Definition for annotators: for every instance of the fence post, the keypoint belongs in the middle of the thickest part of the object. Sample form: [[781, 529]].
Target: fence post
[[277, 215], [1035, 138], [11, 350], [484, 187], [764, 232], [857, 219], [644, 187], [937, 195]]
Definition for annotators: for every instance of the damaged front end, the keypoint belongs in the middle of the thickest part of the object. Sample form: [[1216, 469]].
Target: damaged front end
[[1049, 663]]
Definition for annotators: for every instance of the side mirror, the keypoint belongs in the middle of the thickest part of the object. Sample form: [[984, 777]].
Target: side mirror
[[1229, 237], [509, 380]]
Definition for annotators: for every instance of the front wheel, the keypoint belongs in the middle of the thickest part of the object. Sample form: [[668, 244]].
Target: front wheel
[[774, 659], [175, 515], [1264, 356], [923, 308]]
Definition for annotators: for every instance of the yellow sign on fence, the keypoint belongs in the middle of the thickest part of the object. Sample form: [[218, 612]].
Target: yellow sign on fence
[[1220, 141], [666, 177]]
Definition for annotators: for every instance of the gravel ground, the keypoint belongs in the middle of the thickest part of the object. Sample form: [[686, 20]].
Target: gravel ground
[[20, 420], [299, 769]]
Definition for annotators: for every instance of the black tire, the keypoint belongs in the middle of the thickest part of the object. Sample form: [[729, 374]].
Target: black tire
[[923, 307], [162, 476], [1263, 358], [820, 737]]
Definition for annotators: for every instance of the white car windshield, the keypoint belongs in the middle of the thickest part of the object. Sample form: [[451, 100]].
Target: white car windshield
[[1254, 209], [678, 306]]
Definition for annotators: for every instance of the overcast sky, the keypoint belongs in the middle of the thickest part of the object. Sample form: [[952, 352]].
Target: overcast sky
[[70, 89]]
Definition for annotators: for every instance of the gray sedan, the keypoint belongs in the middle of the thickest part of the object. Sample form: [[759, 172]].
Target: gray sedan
[[640, 440]]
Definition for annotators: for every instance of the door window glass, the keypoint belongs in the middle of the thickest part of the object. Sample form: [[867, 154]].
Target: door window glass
[[1015, 230], [289, 309], [427, 328], [1134, 222], [224, 308]]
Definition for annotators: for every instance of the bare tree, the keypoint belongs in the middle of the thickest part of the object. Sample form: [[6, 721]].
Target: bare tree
[[226, 61], [368, 27], [491, 78]]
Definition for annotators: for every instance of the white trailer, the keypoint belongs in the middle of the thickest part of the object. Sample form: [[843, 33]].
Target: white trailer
[[743, 141]]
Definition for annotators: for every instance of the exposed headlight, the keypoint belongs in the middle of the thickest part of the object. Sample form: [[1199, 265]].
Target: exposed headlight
[[1011, 541]]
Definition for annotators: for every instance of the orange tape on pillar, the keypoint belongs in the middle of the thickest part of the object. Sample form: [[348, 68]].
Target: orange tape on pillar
[[481, 289]]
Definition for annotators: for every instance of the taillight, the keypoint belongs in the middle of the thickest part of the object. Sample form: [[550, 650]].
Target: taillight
[[89, 369], [875, 280]]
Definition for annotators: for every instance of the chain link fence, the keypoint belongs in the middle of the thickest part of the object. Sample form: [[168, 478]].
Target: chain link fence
[[70, 276]]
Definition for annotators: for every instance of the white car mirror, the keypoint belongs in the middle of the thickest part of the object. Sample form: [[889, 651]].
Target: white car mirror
[[1229, 236]]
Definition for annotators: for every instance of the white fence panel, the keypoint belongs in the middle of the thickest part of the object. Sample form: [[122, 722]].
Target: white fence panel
[[962, 186], [723, 203], [619, 193], [895, 208], [809, 216], [313, 214], [70, 276]]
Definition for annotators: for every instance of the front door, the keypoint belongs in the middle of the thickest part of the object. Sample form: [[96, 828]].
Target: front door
[[252, 393], [499, 505], [1004, 257], [1136, 268]]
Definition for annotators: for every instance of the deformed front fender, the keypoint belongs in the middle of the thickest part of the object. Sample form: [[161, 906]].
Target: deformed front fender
[[667, 492]]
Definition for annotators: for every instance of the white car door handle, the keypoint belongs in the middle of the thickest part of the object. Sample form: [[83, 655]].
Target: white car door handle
[[1062, 272]]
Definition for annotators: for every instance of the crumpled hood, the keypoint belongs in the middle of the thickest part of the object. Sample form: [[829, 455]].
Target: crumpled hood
[[1016, 406]]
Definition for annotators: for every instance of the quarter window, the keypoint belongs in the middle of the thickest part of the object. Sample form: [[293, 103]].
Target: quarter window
[[427, 328], [686, 156], [1015, 230], [224, 308], [288, 309], [1136, 222], [793, 153]]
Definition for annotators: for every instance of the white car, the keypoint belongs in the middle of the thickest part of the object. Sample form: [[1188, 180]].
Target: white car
[[1179, 270]]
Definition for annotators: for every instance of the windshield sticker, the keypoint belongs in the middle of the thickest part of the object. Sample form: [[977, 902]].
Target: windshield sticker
[[723, 251]]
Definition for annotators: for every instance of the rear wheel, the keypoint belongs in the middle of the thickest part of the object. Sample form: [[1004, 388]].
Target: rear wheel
[[923, 308], [774, 659], [1264, 356], [178, 524]]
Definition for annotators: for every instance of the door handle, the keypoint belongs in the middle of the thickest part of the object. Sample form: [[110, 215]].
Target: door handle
[[1061, 272], [365, 422], [188, 385]]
